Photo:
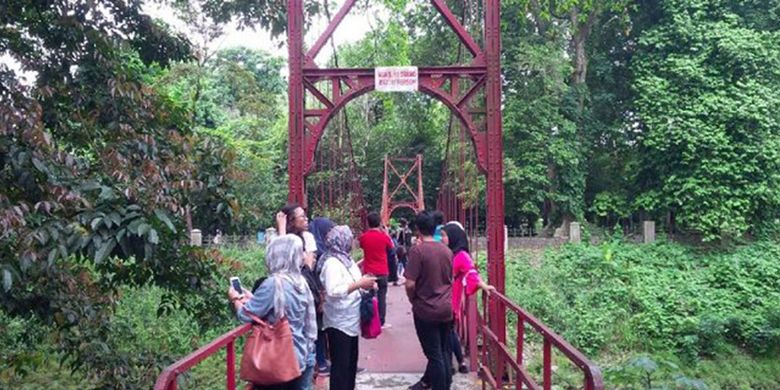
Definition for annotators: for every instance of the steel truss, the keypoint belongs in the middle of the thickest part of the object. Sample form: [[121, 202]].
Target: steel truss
[[481, 116]]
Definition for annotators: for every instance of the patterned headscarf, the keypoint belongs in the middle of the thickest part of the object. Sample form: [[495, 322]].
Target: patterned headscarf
[[284, 258], [339, 244]]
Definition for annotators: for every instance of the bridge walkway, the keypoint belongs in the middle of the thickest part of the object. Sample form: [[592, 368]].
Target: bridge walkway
[[394, 360]]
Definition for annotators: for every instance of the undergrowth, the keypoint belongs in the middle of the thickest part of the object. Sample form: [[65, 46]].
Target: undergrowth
[[661, 315]]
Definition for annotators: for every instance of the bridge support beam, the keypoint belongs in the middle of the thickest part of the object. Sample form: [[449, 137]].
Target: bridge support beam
[[296, 103], [495, 163]]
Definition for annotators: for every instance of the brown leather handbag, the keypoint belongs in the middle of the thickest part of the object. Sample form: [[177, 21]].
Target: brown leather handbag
[[269, 354]]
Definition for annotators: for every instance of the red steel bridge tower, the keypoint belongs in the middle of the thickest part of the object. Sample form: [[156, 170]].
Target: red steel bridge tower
[[471, 91]]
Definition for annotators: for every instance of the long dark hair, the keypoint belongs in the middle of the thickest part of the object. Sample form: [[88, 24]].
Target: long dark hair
[[458, 241]]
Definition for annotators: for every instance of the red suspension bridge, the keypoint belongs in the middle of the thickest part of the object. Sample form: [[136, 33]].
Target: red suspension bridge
[[498, 356]]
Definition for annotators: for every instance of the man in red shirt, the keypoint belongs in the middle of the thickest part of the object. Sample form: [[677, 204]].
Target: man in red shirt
[[375, 243]]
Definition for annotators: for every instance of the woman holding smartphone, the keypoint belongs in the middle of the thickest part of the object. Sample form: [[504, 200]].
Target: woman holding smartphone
[[284, 291], [342, 281]]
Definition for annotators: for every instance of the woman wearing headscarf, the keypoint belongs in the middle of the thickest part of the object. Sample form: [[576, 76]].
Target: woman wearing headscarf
[[464, 275], [284, 291], [342, 281], [319, 228]]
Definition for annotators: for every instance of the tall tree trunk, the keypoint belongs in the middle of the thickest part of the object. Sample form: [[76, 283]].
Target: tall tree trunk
[[582, 30], [550, 206], [579, 40]]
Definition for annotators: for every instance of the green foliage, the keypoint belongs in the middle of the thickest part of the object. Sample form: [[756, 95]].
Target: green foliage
[[235, 100], [270, 15], [610, 206], [707, 85], [20, 338], [149, 329], [543, 149], [656, 298], [96, 170], [675, 304]]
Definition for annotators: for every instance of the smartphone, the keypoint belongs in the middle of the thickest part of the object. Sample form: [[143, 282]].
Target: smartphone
[[236, 283]]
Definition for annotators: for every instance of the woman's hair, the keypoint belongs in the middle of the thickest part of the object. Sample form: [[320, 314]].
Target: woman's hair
[[289, 210], [438, 217], [457, 239], [400, 251]]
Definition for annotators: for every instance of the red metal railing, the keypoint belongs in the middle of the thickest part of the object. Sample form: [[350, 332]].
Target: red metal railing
[[167, 379], [495, 356], [489, 354]]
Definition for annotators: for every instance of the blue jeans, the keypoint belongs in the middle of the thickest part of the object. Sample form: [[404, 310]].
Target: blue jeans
[[322, 359], [307, 378]]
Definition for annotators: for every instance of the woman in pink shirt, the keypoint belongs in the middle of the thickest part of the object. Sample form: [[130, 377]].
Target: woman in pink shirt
[[464, 276]]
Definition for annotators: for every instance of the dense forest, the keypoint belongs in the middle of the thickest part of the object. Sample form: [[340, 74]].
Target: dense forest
[[119, 133]]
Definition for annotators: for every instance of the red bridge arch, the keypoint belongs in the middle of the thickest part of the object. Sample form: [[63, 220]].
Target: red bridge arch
[[306, 125]]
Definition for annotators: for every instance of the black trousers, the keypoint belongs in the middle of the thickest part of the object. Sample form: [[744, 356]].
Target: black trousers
[[455, 345], [343, 359], [381, 282], [392, 267], [436, 341]]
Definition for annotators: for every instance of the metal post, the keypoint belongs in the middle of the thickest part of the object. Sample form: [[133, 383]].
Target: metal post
[[547, 364], [231, 366], [420, 198], [296, 102], [520, 340], [495, 164]]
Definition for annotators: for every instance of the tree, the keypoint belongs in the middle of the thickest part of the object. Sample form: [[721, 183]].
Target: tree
[[267, 14], [708, 97], [236, 97], [94, 167]]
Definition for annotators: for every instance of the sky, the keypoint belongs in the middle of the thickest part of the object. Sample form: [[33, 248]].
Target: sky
[[354, 27]]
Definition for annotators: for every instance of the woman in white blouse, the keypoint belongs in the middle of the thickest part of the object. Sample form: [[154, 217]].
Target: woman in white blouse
[[342, 280]]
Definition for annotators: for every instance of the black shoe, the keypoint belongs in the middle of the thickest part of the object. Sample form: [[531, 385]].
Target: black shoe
[[420, 386]]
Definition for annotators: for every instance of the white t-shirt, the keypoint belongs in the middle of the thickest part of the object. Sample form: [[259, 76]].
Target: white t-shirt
[[341, 309], [309, 243]]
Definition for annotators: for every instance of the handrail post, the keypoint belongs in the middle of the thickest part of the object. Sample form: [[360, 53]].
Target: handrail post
[[471, 329], [231, 365], [501, 312], [547, 370], [520, 339]]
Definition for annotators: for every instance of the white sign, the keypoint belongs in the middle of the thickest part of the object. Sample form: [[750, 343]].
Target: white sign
[[396, 78]]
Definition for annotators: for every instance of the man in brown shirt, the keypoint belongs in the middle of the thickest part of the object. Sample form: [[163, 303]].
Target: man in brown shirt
[[429, 288]]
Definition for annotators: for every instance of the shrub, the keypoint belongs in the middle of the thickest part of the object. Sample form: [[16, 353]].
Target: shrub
[[655, 297]]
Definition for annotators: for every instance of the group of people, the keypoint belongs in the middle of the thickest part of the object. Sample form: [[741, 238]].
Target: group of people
[[314, 281]]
